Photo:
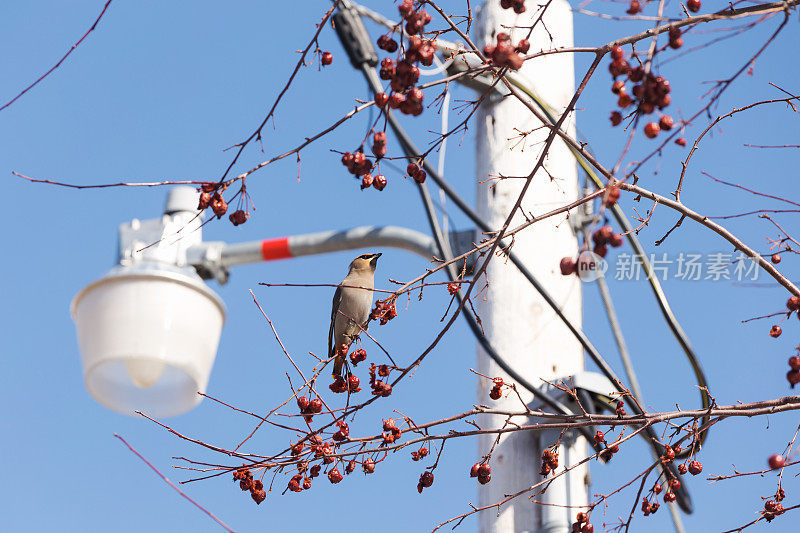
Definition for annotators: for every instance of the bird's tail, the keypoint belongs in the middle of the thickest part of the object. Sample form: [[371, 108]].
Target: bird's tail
[[338, 363]]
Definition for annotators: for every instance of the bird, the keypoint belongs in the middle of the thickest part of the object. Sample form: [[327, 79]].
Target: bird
[[352, 303]]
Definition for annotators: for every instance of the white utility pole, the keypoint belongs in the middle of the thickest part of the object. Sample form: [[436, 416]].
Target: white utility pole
[[516, 320]]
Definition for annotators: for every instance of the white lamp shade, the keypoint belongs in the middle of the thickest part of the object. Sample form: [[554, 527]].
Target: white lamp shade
[[148, 336]]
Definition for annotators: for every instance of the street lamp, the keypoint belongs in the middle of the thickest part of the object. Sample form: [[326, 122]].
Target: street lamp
[[148, 331]]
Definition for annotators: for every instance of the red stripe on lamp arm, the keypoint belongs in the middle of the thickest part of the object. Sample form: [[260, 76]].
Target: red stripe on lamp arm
[[272, 249]]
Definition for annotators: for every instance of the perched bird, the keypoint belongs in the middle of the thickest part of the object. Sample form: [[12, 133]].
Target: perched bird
[[351, 306]]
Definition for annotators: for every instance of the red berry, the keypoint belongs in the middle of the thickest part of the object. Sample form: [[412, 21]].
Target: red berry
[[793, 377], [334, 476], [616, 118], [238, 217], [676, 43], [794, 362], [612, 196], [776, 461], [617, 53], [205, 200], [258, 496], [693, 5], [218, 205], [657, 488], [315, 406], [379, 182], [695, 467], [636, 74], [599, 437], [426, 479], [680, 141], [327, 58], [682, 468], [366, 181], [666, 123], [368, 466], [381, 99], [352, 383], [623, 101], [523, 46], [568, 266], [495, 393], [634, 8], [587, 528], [674, 484], [302, 403], [669, 497], [775, 332], [396, 100], [775, 259], [651, 130], [793, 303], [484, 470], [618, 87], [473, 472]]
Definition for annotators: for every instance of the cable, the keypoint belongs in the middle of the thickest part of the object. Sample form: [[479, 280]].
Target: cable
[[444, 249], [652, 279], [619, 215], [363, 57]]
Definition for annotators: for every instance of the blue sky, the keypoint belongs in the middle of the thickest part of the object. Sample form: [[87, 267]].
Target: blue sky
[[158, 91]]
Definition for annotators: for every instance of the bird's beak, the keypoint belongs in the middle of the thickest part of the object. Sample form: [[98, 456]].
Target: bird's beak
[[374, 260]]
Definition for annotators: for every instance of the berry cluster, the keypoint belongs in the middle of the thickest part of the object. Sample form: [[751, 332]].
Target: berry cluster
[[504, 54], [340, 385], [384, 311], [357, 164], [648, 92], [415, 20], [211, 197], [517, 5], [549, 462], [675, 38], [649, 503], [497, 389], [309, 408], [357, 356], [391, 432], [601, 238], [342, 433], [246, 482], [582, 524], [772, 509], [425, 480], [609, 451], [379, 387], [416, 172], [419, 454], [482, 471]]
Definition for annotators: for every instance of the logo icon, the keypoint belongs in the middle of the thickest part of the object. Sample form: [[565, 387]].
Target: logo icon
[[591, 266]]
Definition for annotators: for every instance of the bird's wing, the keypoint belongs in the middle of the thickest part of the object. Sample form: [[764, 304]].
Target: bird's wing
[[337, 299]]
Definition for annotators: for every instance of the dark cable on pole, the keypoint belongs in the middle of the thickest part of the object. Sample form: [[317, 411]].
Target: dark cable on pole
[[363, 57]]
